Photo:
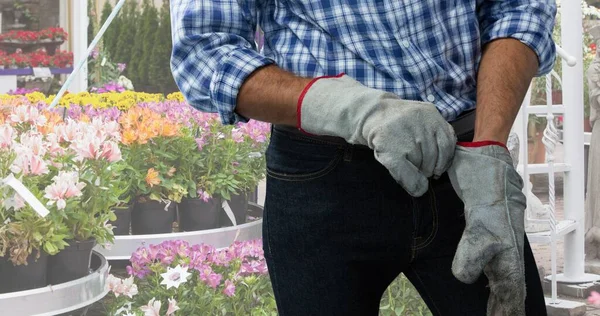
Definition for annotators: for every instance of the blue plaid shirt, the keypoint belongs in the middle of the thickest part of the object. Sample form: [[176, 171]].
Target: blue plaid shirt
[[425, 50]]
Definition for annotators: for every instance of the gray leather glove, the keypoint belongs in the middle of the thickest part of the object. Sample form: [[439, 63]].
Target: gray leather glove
[[411, 139], [483, 176]]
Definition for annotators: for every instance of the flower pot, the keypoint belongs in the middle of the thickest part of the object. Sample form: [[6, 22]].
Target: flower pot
[[195, 214], [71, 263], [123, 222], [23, 277], [151, 217], [239, 207]]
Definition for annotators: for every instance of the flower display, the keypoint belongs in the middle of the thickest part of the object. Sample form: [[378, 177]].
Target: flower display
[[38, 58], [176, 278], [51, 33]]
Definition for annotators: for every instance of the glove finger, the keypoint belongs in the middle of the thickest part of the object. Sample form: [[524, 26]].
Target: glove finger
[[430, 157], [446, 143], [475, 249], [506, 277], [405, 173]]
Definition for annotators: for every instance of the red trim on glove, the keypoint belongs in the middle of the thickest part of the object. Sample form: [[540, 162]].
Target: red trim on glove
[[482, 144], [301, 99]]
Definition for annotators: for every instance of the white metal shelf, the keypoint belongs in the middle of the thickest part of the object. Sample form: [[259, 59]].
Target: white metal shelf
[[562, 228]]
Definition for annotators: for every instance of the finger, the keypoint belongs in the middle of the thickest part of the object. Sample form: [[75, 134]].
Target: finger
[[405, 173], [446, 144]]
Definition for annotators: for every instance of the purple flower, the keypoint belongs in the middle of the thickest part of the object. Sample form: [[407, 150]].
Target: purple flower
[[121, 67], [204, 196], [22, 91]]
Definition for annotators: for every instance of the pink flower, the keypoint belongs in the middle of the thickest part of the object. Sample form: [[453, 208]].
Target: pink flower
[[7, 136], [87, 147], [229, 289], [172, 307], [200, 142], [66, 185], [29, 164], [53, 146], [237, 136], [68, 132], [34, 143], [152, 309], [111, 151], [213, 280], [594, 298]]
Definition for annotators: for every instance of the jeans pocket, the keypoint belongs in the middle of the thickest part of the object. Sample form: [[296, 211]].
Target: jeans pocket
[[297, 158]]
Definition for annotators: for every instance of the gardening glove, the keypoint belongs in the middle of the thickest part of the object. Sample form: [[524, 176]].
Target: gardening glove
[[411, 139], [483, 176]]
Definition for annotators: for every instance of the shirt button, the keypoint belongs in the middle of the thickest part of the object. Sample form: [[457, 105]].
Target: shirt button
[[431, 98], [405, 43]]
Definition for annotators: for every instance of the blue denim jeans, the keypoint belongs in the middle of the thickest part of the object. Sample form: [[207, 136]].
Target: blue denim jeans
[[338, 230]]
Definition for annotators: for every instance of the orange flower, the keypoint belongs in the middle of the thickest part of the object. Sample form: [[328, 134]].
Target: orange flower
[[129, 137], [152, 177], [53, 119], [169, 130]]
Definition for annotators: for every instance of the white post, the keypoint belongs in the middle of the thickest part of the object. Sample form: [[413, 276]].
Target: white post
[[80, 20], [572, 30]]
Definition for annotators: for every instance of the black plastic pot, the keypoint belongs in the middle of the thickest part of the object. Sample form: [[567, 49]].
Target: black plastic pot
[[239, 207], [121, 225], [71, 263], [23, 277], [151, 217], [195, 214]]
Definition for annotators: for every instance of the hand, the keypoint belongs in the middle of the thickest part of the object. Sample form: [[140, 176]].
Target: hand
[[411, 139], [483, 176]]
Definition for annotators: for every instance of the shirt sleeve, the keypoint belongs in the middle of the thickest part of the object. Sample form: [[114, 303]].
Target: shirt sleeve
[[529, 21], [213, 53]]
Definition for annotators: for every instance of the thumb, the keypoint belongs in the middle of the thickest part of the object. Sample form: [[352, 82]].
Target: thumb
[[475, 249]]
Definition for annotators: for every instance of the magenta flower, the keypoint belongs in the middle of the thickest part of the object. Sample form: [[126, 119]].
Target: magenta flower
[[213, 280], [237, 136]]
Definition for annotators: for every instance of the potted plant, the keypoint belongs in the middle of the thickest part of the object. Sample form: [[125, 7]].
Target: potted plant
[[147, 139], [175, 278], [81, 155], [26, 238]]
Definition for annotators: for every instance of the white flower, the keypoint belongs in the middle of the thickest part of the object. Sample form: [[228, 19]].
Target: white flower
[[172, 307], [152, 309], [175, 276]]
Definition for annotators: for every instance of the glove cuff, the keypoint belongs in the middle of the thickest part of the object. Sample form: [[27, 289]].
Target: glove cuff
[[482, 144], [301, 100]]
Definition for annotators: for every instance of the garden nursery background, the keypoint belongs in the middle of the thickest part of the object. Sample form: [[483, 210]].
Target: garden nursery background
[[124, 200]]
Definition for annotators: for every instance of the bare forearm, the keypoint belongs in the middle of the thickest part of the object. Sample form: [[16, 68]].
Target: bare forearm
[[271, 95], [505, 72]]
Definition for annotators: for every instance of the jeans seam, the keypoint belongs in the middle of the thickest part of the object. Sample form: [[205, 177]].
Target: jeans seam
[[272, 272], [423, 287], [434, 230], [309, 176]]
